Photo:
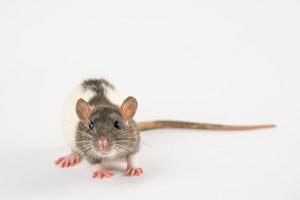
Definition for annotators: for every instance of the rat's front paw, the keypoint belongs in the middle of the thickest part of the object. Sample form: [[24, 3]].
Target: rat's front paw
[[102, 173], [134, 171], [69, 160]]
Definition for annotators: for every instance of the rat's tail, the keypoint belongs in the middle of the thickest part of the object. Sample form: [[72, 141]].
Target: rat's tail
[[148, 125]]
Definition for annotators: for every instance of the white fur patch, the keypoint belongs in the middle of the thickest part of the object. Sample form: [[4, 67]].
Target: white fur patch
[[115, 96], [132, 160]]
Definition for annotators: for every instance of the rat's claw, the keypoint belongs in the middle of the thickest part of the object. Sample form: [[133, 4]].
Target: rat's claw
[[102, 174], [68, 161], [134, 171]]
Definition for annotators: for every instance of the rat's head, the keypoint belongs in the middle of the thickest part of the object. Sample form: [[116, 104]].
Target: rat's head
[[107, 131]]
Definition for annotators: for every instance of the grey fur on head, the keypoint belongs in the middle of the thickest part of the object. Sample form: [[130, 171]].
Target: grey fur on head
[[101, 118]]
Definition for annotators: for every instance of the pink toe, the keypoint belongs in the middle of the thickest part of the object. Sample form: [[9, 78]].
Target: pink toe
[[59, 160], [102, 174], [64, 163], [134, 172], [110, 173]]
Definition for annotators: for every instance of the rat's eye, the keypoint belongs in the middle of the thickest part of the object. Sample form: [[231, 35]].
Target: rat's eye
[[117, 124], [91, 125]]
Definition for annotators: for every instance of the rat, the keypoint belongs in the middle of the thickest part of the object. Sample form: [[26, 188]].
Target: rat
[[104, 128]]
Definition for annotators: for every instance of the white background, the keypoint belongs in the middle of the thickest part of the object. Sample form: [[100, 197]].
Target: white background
[[233, 62]]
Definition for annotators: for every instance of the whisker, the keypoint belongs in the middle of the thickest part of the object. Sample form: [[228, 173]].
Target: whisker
[[127, 138], [84, 123], [125, 148], [130, 141], [83, 148], [88, 153], [84, 152], [75, 145], [119, 153], [85, 136]]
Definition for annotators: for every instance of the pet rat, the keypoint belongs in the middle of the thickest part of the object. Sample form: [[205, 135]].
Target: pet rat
[[105, 129]]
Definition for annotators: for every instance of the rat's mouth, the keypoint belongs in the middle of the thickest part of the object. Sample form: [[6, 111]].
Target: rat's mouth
[[102, 148], [104, 154]]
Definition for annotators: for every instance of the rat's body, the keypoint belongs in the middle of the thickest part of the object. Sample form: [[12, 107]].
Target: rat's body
[[97, 131], [106, 129]]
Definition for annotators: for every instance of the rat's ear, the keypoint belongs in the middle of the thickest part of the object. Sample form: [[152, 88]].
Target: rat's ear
[[83, 110], [128, 108]]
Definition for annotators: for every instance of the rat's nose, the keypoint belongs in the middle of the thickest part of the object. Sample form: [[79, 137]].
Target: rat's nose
[[102, 143]]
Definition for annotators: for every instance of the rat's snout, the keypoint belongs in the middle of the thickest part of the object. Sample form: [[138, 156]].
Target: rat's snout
[[102, 143]]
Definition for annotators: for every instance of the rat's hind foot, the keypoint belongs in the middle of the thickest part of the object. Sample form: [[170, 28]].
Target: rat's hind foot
[[69, 160], [134, 171], [102, 173]]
